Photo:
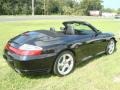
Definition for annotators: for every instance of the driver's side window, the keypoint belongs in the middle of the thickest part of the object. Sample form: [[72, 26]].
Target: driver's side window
[[83, 29]]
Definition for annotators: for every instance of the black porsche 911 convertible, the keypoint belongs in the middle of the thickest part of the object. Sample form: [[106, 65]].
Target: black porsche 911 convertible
[[57, 51]]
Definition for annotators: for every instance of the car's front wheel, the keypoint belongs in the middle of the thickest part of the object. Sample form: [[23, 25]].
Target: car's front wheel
[[64, 63], [111, 47]]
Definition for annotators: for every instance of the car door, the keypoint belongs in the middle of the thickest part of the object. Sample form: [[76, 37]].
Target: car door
[[84, 51], [99, 42], [91, 42]]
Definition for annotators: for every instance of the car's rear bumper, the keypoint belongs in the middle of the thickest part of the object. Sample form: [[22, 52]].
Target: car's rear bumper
[[42, 65]]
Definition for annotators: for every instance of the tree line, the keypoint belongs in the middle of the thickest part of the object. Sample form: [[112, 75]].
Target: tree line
[[48, 7]]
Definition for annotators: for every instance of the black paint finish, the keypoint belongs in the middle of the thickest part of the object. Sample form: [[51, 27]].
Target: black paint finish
[[84, 43]]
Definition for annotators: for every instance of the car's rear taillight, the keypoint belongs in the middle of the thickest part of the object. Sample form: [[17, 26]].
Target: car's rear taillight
[[25, 49]]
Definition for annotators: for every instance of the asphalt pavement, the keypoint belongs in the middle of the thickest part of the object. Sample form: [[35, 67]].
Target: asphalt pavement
[[48, 17]]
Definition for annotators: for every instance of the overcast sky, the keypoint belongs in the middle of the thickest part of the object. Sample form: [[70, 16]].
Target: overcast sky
[[111, 4]]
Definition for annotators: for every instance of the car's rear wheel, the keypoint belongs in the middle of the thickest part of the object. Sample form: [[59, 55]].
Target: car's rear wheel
[[111, 47], [64, 63]]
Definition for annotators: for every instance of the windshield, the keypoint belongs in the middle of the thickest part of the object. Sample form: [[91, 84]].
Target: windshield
[[81, 28]]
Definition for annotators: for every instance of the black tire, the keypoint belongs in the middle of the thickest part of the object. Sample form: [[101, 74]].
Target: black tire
[[58, 59], [108, 49]]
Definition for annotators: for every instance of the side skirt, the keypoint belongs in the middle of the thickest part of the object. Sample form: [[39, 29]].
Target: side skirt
[[102, 52], [86, 58], [89, 57]]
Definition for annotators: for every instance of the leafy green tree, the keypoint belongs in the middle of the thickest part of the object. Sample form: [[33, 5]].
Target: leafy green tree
[[14, 7], [53, 7], [87, 5], [39, 7], [108, 10], [118, 11], [67, 7]]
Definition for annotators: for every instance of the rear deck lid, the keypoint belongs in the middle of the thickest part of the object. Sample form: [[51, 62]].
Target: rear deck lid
[[30, 37]]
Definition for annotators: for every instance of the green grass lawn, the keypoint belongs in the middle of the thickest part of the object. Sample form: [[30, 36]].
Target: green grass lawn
[[101, 73]]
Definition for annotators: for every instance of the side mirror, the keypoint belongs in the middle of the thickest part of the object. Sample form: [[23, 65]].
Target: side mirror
[[98, 32]]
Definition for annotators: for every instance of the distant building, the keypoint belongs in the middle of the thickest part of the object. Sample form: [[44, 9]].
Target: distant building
[[107, 14], [94, 13]]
